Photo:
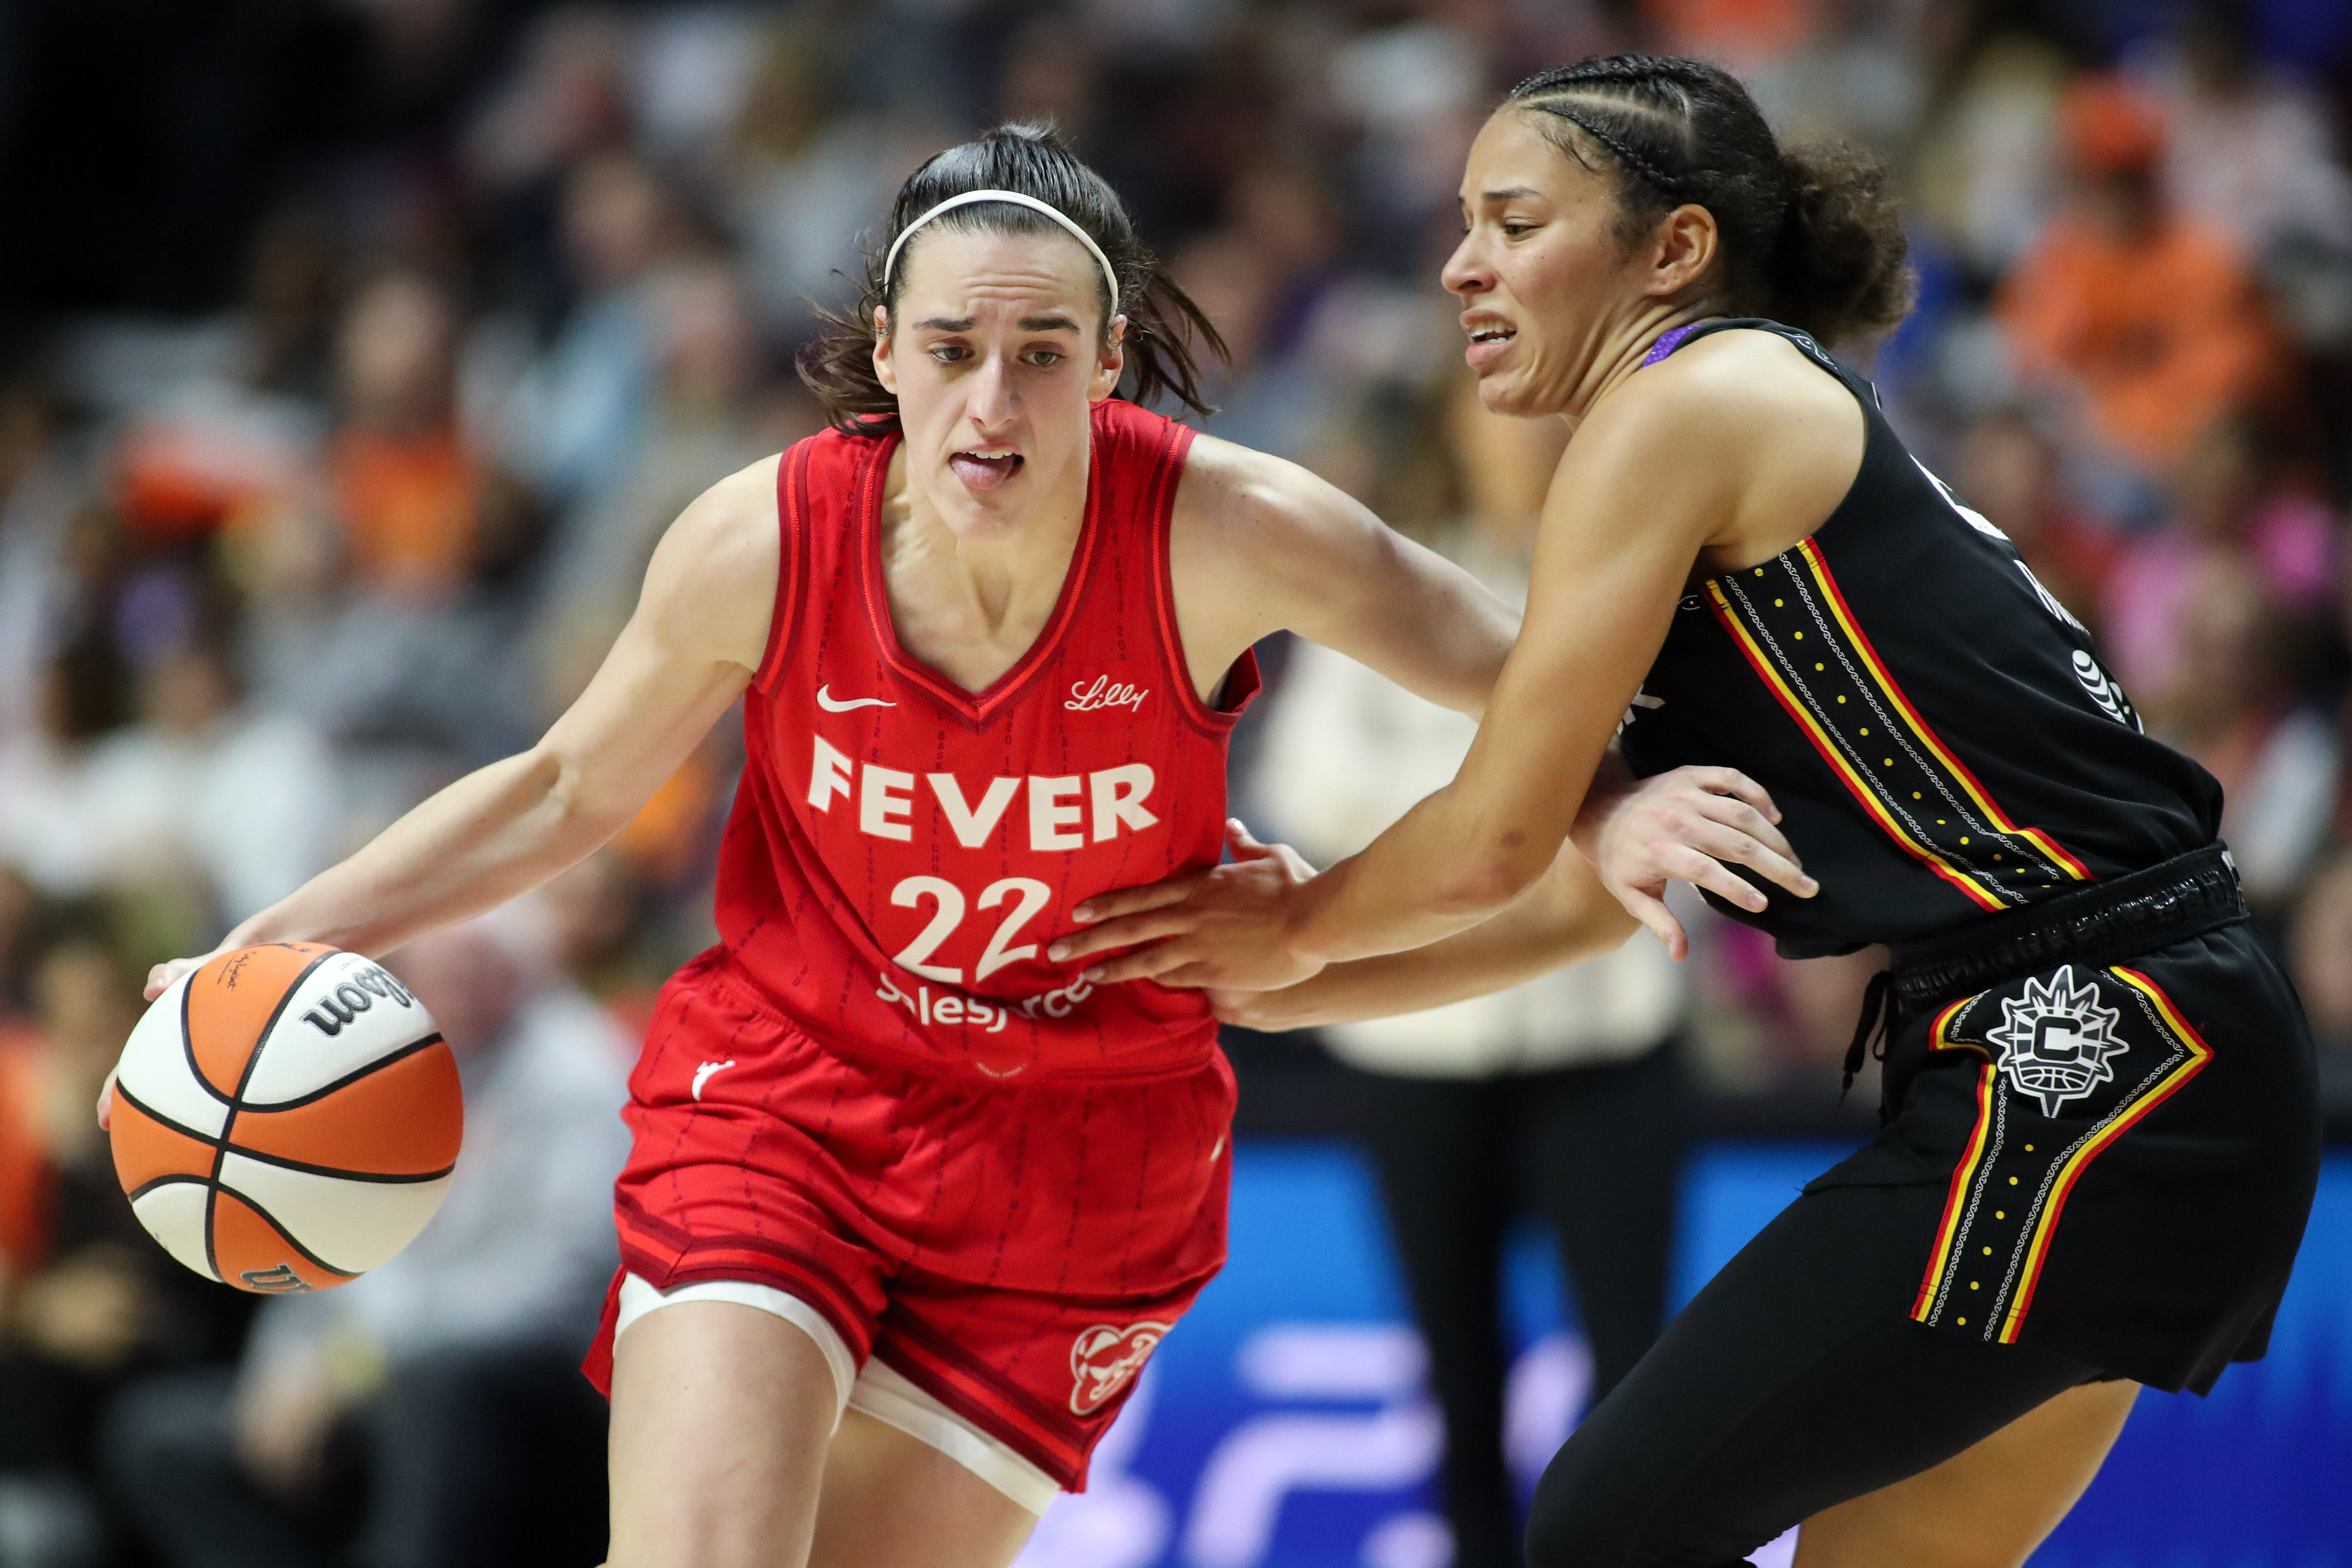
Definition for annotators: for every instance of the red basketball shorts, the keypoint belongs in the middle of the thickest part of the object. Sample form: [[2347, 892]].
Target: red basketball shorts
[[1014, 1251]]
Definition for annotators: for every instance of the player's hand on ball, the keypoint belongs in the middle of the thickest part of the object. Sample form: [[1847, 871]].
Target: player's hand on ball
[[1695, 825], [1223, 927], [160, 978]]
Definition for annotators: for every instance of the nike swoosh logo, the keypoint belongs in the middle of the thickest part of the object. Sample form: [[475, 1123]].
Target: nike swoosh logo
[[831, 704]]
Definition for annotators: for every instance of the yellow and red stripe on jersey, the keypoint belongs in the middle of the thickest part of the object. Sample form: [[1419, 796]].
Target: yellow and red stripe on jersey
[[1811, 555], [1823, 742], [1947, 1229], [1984, 854]]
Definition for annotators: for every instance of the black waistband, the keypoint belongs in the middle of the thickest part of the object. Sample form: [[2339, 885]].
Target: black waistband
[[2103, 923]]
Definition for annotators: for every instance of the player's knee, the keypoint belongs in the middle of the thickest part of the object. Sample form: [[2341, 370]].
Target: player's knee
[[1591, 1512], [1567, 1524], [1578, 1518]]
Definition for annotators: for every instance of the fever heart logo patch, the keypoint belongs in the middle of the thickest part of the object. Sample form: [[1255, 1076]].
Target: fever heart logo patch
[[1104, 1358]]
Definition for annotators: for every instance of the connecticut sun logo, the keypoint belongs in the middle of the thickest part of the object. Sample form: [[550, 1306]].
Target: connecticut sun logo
[[2055, 1040]]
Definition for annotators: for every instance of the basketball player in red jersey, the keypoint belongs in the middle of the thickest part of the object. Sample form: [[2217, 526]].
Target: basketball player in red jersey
[[910, 1203]]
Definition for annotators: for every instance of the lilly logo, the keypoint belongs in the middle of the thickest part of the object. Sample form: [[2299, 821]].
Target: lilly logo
[[1105, 1359], [1105, 693]]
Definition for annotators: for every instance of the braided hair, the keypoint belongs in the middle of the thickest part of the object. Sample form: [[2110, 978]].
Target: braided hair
[[1163, 325], [1810, 234]]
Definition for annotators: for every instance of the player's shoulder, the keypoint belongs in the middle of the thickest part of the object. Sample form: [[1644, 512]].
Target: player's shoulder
[[1733, 379], [736, 514], [723, 551], [1745, 397], [1228, 485], [712, 581]]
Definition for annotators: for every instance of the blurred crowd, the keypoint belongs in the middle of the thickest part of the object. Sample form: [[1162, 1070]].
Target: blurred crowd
[[353, 356]]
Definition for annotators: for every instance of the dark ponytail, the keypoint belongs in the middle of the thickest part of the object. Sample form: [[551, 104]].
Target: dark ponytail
[[1811, 235], [1028, 158]]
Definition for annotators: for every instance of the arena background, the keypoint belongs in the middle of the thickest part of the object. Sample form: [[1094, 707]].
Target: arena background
[[352, 352]]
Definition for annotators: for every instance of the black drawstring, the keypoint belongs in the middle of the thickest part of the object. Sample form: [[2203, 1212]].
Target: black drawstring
[[1877, 1014]]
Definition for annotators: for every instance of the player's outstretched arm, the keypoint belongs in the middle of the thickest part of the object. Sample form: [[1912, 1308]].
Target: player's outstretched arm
[[1260, 545], [1626, 521], [1565, 917], [694, 643]]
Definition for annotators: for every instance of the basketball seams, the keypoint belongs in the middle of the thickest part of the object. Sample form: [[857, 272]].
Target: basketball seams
[[337, 1173], [222, 1147], [174, 1179], [220, 1155], [285, 1235], [188, 1044], [161, 1119], [402, 1054]]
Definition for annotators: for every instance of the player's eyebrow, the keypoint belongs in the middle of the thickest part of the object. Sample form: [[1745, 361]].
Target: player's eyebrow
[[1512, 195], [1048, 324], [943, 324]]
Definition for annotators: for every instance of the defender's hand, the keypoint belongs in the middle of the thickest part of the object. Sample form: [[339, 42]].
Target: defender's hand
[[1221, 927], [1693, 823]]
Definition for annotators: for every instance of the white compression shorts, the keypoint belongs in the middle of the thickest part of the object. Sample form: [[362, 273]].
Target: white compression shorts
[[880, 1392]]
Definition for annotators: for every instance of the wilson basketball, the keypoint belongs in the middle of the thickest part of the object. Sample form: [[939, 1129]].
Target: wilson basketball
[[286, 1118]]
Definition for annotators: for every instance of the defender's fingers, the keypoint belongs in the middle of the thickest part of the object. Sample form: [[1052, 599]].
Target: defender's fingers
[[1742, 817], [1125, 932], [1729, 844], [1660, 921], [1732, 782], [1243, 843], [1717, 878], [1149, 964], [1134, 900], [105, 1105]]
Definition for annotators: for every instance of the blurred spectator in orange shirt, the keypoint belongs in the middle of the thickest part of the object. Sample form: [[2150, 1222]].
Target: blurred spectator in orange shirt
[[406, 487], [2150, 318]]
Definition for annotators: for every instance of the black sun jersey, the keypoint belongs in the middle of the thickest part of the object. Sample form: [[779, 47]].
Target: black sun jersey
[[1936, 727]]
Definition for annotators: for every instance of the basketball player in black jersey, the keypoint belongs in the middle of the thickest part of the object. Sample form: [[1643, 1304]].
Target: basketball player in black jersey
[[2100, 1139]]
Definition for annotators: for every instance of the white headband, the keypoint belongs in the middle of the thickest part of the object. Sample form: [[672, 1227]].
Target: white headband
[[1110, 277]]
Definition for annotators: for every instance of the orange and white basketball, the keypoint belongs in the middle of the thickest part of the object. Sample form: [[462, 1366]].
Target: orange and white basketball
[[286, 1118]]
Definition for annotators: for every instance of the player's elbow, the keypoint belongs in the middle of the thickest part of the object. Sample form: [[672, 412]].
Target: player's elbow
[[1481, 882], [579, 806]]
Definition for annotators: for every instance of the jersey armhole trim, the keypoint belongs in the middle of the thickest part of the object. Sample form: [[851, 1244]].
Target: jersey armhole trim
[[1875, 430], [1160, 509], [791, 520]]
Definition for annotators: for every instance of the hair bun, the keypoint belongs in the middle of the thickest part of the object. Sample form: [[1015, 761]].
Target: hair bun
[[1843, 269]]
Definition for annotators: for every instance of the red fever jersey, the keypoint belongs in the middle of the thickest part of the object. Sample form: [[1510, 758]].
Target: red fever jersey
[[902, 850], [875, 1094]]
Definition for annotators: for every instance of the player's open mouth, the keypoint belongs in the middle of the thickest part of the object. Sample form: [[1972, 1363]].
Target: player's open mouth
[[1490, 338], [985, 468]]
